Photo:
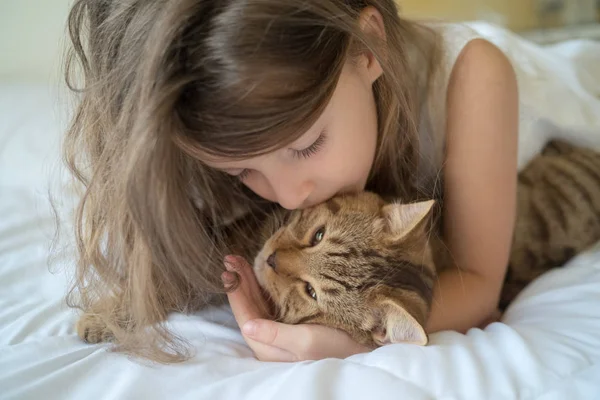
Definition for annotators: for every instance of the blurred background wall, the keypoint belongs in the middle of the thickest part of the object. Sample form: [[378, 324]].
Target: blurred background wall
[[32, 32], [519, 15], [31, 35]]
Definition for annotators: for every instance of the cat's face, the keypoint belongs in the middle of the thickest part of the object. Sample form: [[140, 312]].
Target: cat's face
[[354, 263]]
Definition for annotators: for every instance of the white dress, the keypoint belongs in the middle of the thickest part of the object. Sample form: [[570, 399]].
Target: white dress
[[559, 93]]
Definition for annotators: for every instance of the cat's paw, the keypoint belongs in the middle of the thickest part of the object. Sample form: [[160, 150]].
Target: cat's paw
[[92, 329]]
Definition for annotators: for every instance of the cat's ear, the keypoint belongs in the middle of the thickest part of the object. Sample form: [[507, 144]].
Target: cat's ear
[[398, 326], [401, 219]]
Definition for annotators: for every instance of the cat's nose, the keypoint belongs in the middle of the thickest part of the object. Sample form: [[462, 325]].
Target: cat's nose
[[271, 260]]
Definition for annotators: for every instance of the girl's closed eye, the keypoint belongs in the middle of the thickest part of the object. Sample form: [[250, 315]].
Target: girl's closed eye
[[304, 153], [243, 174], [240, 174], [313, 148]]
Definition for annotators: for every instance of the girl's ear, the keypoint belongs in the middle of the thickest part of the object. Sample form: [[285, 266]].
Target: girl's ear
[[371, 23]]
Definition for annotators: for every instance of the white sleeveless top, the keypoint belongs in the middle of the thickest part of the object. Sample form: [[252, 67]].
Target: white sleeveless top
[[559, 94]]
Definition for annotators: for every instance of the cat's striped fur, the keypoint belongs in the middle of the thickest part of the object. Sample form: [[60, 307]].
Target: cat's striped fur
[[372, 271], [353, 263], [558, 213]]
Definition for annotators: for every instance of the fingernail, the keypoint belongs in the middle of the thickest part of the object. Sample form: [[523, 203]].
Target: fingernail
[[229, 266], [227, 278], [230, 263], [230, 259], [249, 328]]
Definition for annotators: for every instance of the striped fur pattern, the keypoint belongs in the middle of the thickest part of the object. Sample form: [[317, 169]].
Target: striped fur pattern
[[372, 271], [354, 263], [558, 213]]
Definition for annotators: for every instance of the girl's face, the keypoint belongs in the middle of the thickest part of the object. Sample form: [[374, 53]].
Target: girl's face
[[335, 155]]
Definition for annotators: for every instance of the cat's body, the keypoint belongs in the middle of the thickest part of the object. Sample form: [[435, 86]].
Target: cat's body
[[558, 213], [372, 269]]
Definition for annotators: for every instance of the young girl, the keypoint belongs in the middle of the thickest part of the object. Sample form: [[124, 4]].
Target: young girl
[[198, 116]]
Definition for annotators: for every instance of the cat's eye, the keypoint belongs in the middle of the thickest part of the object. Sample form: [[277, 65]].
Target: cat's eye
[[318, 236], [311, 291]]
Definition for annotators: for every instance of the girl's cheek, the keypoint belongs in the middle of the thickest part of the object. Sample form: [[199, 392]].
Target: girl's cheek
[[260, 188]]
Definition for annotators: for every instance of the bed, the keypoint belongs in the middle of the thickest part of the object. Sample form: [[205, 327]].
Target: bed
[[546, 347]]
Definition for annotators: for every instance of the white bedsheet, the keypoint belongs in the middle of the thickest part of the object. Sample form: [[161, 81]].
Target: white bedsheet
[[548, 346]]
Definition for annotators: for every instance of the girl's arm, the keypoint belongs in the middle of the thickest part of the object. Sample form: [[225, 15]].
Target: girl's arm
[[480, 186]]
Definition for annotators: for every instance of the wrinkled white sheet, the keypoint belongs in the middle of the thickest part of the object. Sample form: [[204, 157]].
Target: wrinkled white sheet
[[548, 346]]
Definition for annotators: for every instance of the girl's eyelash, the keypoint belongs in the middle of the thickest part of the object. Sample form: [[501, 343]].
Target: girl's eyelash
[[243, 175], [313, 148], [304, 153]]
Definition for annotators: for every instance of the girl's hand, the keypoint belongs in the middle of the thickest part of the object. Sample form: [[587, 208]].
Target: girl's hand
[[274, 341]]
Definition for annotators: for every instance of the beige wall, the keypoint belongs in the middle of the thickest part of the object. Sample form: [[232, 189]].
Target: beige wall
[[515, 14], [458, 9]]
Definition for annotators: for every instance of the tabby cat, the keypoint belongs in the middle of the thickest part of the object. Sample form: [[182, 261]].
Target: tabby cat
[[558, 213], [368, 267]]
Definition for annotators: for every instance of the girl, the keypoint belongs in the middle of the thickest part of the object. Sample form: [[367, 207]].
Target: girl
[[197, 117]]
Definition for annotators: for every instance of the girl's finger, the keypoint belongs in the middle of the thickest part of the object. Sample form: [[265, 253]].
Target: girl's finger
[[250, 285], [304, 342], [268, 353], [234, 263], [242, 306], [283, 336], [243, 311]]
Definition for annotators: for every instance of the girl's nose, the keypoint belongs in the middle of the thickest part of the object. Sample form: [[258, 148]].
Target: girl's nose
[[292, 197]]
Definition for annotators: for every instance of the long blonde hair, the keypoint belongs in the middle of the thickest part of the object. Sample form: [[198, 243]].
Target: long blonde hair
[[165, 80]]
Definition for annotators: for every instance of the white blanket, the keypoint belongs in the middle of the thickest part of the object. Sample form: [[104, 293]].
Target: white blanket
[[547, 347]]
